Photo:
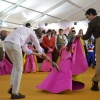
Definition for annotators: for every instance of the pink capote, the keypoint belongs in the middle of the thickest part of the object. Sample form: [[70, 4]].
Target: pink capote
[[78, 59], [60, 81], [47, 66], [5, 67], [29, 64]]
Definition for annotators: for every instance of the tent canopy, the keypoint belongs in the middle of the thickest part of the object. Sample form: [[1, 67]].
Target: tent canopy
[[14, 13]]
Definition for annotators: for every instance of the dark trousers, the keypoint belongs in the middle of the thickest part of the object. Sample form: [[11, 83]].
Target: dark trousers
[[1, 53], [55, 54]]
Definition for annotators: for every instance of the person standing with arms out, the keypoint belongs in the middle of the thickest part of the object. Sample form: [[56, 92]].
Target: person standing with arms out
[[13, 43], [94, 28]]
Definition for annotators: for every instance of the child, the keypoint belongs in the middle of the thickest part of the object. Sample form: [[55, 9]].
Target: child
[[30, 65], [90, 53]]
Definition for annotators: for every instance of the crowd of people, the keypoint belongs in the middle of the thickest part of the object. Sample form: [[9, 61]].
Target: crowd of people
[[51, 41]]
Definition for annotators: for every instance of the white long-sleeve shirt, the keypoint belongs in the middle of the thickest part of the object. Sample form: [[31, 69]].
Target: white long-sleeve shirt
[[60, 36], [21, 36]]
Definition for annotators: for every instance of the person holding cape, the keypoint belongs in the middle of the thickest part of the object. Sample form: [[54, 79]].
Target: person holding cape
[[94, 29], [13, 43]]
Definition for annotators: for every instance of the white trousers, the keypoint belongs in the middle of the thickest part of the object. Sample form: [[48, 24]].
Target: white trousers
[[14, 53]]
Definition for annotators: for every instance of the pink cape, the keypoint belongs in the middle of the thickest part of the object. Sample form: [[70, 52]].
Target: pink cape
[[57, 82], [29, 64], [5, 67], [47, 66], [79, 62]]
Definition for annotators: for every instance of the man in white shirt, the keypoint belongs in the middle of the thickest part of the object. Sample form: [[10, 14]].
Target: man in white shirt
[[13, 43]]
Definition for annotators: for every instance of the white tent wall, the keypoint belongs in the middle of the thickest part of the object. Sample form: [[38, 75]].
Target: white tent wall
[[7, 29], [66, 26]]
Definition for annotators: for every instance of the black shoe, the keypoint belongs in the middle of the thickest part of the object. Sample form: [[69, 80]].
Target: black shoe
[[95, 86], [93, 67], [19, 96], [10, 91]]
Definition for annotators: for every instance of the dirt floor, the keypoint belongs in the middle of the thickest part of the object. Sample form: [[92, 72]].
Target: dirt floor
[[30, 80]]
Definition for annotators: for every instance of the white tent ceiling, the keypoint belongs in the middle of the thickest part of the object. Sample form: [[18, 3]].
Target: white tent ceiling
[[14, 13]]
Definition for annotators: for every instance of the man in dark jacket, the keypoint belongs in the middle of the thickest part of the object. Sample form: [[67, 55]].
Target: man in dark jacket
[[94, 28]]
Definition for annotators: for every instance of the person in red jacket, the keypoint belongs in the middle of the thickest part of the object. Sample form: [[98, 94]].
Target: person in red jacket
[[48, 41]]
